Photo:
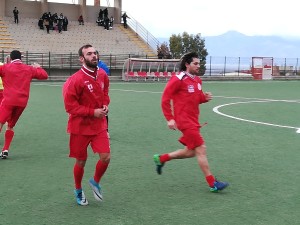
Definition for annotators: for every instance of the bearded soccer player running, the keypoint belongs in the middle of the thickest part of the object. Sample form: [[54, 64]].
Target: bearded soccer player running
[[86, 101], [16, 78], [185, 93]]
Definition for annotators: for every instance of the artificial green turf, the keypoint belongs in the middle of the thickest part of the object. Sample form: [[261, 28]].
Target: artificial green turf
[[260, 162]]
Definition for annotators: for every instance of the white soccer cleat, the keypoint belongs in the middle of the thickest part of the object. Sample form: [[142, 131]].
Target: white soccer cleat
[[4, 154]]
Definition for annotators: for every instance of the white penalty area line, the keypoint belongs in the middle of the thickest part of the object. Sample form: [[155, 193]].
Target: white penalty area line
[[216, 110]]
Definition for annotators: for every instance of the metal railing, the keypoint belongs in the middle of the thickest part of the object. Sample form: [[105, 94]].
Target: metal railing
[[215, 66], [50, 60], [143, 33]]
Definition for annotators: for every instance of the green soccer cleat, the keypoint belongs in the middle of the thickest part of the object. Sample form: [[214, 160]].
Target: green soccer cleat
[[158, 164]]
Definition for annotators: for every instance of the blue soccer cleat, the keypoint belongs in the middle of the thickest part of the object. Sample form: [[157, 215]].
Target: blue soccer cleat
[[96, 188], [80, 197], [218, 186]]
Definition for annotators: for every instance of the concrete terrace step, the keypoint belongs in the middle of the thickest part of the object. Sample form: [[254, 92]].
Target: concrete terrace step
[[114, 41]]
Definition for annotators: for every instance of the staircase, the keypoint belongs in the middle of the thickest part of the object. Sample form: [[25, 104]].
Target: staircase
[[7, 43], [138, 41]]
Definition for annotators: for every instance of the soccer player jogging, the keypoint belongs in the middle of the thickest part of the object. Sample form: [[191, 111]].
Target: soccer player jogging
[[185, 93], [86, 101], [16, 78]]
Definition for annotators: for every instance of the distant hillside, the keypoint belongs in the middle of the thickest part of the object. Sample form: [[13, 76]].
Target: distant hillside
[[235, 44]]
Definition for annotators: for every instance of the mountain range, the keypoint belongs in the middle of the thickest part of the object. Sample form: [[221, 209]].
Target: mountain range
[[235, 44]]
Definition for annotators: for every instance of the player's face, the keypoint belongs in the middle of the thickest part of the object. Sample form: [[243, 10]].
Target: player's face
[[89, 58], [193, 67]]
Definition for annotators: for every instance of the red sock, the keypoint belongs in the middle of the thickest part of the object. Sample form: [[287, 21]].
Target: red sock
[[100, 170], [210, 180], [9, 134], [164, 158], [78, 175]]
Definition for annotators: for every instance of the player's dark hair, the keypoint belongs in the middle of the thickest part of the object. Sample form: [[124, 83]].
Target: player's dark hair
[[15, 54], [80, 53], [187, 58]]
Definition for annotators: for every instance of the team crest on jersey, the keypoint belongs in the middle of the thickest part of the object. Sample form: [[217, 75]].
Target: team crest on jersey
[[191, 88], [199, 87], [89, 86]]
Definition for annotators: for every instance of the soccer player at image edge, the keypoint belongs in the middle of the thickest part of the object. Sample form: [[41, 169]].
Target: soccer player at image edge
[[16, 77]]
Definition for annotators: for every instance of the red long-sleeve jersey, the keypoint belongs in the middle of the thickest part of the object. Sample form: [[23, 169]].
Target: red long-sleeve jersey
[[185, 93], [16, 78], [84, 92]]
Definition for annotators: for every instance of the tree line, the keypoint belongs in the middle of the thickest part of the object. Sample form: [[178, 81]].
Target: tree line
[[181, 44]]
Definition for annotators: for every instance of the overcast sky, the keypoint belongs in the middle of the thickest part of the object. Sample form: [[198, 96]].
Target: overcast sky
[[213, 17]]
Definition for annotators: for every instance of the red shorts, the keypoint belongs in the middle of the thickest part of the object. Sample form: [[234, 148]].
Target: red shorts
[[191, 138], [10, 114], [79, 143]]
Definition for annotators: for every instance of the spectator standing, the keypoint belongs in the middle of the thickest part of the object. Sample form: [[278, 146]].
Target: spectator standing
[[16, 15], [16, 78], [124, 16], [80, 20], [65, 23], [60, 22], [100, 15], [41, 23], [47, 25], [185, 93], [102, 65], [105, 12], [111, 22], [86, 101], [106, 23]]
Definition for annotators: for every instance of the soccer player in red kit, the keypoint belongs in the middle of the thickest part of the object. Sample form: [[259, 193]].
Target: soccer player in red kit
[[86, 101], [185, 92], [16, 78]]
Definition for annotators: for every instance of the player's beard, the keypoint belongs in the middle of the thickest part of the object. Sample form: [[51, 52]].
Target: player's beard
[[194, 72], [90, 64]]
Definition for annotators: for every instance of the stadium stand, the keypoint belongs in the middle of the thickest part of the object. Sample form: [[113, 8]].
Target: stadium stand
[[115, 41], [6, 41]]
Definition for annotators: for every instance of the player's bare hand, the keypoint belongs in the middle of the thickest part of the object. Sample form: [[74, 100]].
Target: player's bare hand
[[172, 124], [105, 108], [99, 113], [208, 96]]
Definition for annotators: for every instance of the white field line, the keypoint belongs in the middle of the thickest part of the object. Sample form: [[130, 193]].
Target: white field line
[[216, 110]]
